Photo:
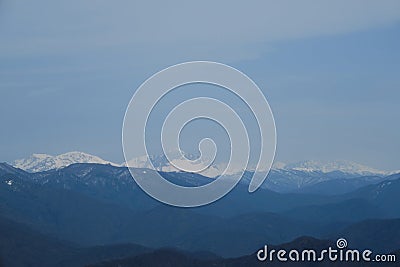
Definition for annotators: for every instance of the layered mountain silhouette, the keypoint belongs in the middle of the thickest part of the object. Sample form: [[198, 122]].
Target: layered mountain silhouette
[[22, 246], [81, 214], [169, 257], [308, 176]]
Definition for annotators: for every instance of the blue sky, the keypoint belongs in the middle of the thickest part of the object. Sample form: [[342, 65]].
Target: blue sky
[[328, 69]]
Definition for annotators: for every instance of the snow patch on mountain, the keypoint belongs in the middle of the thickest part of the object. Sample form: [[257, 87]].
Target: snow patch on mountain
[[310, 166], [161, 163], [44, 162], [331, 166]]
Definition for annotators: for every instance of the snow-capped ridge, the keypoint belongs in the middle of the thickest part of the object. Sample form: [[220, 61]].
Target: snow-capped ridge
[[161, 163], [331, 166], [45, 162]]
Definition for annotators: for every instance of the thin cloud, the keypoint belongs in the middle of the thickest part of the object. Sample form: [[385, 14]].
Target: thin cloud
[[198, 28]]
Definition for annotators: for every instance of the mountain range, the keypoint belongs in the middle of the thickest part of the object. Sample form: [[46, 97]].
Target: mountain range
[[306, 176], [44, 162], [171, 257], [90, 205], [21, 246]]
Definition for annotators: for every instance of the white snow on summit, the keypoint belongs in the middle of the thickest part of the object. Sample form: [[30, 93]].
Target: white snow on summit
[[44, 162], [161, 163], [330, 166]]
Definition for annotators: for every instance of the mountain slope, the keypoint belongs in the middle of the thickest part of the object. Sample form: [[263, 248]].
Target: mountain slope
[[340, 185], [171, 258], [338, 165], [377, 201], [384, 195], [21, 246], [70, 211], [44, 162], [381, 236], [68, 214], [94, 204], [332, 177]]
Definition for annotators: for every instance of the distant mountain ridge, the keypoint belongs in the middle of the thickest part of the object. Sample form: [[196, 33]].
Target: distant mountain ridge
[[337, 165], [328, 178], [45, 162], [112, 209], [170, 257]]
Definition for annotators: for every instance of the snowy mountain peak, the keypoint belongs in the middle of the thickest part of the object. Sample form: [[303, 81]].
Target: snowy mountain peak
[[44, 162], [161, 163], [330, 166]]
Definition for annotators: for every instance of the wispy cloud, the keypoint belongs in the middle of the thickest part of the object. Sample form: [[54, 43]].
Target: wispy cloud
[[195, 29]]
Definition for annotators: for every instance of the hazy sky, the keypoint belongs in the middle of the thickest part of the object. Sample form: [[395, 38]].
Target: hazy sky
[[329, 69]]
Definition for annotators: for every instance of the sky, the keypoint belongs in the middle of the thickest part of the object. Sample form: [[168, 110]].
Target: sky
[[329, 70]]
